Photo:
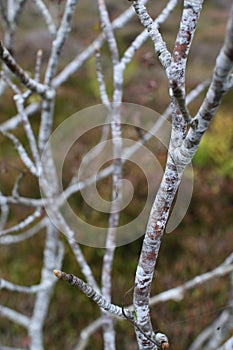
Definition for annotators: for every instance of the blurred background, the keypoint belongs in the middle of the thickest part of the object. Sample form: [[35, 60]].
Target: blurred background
[[200, 243]]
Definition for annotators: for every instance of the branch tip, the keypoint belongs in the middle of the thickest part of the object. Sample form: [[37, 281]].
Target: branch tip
[[57, 273]]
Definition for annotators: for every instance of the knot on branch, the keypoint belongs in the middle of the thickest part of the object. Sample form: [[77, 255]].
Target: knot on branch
[[161, 341]]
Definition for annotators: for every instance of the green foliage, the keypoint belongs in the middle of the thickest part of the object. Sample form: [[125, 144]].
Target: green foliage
[[215, 151]]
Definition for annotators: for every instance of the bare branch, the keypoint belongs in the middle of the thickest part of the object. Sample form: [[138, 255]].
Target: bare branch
[[59, 41], [228, 345], [23, 77], [143, 36], [78, 61], [22, 289], [11, 239], [93, 295], [160, 46], [87, 332], [215, 93], [177, 293], [38, 65], [23, 223], [4, 212], [22, 153], [47, 16], [14, 316], [207, 333], [53, 254], [100, 79]]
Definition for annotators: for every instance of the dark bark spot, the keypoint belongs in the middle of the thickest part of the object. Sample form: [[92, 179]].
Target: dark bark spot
[[71, 278], [229, 53], [181, 48]]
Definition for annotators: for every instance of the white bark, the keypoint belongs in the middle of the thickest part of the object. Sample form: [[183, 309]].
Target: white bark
[[185, 138]]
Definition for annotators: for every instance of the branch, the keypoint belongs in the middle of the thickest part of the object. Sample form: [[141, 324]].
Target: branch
[[11, 239], [22, 289], [100, 78], [108, 31], [47, 17], [207, 333], [93, 295], [23, 77], [160, 46], [179, 95], [59, 40], [53, 254], [228, 345], [177, 293], [22, 153], [85, 268], [13, 123], [22, 224], [28, 130], [4, 213], [87, 332], [188, 24], [218, 87], [38, 65], [126, 154], [78, 61], [159, 339], [48, 102], [143, 36], [15, 316]]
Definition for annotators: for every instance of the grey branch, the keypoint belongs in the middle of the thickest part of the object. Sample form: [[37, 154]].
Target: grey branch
[[23, 77], [93, 295], [14, 316]]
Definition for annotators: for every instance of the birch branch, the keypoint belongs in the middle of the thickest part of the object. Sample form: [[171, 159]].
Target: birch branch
[[215, 93], [47, 16], [126, 154], [87, 332], [48, 102], [228, 345], [20, 98], [108, 31], [23, 77], [159, 340], [22, 289], [38, 65], [14, 316], [23, 223], [175, 68], [12, 239], [93, 295], [100, 79], [4, 213], [207, 333], [78, 61], [29, 132], [159, 44], [72, 67], [85, 268], [53, 254], [61, 35], [12, 123], [177, 294], [108, 327], [176, 76], [143, 36]]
